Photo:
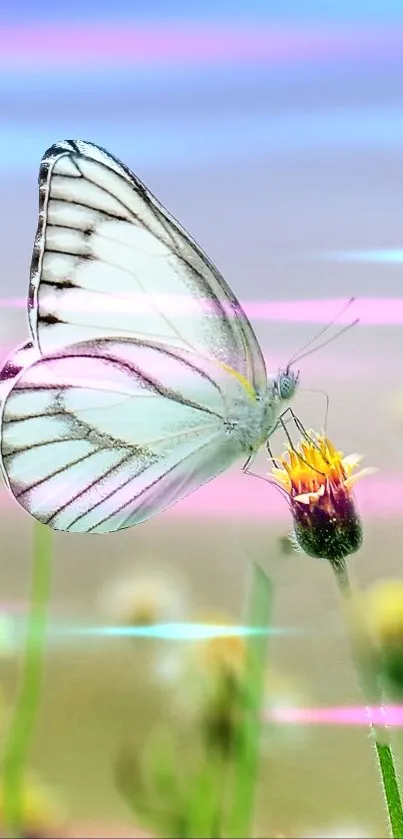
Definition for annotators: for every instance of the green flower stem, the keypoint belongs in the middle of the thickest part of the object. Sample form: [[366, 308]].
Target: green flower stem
[[362, 656], [22, 724], [391, 788]]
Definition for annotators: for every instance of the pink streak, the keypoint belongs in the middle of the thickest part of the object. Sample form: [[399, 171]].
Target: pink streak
[[319, 364], [322, 365], [391, 715], [77, 45], [370, 311], [249, 498]]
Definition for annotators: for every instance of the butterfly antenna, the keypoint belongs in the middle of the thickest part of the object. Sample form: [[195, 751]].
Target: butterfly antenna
[[325, 343], [321, 332]]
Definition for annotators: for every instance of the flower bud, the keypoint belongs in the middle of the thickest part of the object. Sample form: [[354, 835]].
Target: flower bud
[[318, 481]]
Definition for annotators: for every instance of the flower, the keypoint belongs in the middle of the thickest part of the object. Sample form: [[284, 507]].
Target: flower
[[144, 598], [318, 481], [210, 682], [383, 610], [41, 810], [212, 689], [220, 656]]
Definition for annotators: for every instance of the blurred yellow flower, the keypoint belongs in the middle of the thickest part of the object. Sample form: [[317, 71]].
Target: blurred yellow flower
[[384, 617], [219, 655], [217, 670], [319, 481], [212, 691], [144, 598], [42, 812], [149, 596], [385, 610]]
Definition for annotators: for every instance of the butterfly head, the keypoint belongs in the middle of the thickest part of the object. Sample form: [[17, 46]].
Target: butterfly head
[[286, 383]]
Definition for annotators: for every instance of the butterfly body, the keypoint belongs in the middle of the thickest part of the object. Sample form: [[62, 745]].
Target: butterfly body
[[250, 423], [143, 379]]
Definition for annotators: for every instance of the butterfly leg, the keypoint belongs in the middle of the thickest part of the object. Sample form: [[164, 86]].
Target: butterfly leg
[[300, 427], [268, 479], [302, 431], [245, 467], [281, 422], [270, 453], [297, 422], [252, 456], [247, 471]]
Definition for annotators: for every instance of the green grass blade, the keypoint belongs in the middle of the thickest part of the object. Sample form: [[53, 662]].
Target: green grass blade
[[205, 800], [249, 731], [22, 724], [373, 696]]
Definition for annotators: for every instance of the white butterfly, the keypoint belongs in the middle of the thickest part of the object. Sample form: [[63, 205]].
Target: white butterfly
[[144, 378]]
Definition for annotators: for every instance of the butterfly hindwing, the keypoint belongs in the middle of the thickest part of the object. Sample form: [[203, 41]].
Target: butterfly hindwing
[[103, 436]]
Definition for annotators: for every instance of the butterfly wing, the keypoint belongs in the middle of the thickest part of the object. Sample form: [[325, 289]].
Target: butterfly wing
[[109, 260], [22, 357], [141, 357], [98, 437]]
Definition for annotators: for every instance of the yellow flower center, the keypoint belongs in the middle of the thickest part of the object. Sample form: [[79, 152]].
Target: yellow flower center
[[312, 465]]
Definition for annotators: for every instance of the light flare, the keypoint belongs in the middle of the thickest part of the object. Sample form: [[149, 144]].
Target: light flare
[[374, 311], [391, 715]]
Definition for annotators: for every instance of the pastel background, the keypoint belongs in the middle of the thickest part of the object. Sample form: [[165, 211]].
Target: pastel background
[[273, 132]]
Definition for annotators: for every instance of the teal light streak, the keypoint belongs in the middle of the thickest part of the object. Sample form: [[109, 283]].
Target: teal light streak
[[12, 632], [172, 631], [385, 256]]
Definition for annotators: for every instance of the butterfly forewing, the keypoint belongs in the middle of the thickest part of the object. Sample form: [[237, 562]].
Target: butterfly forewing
[[109, 260]]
